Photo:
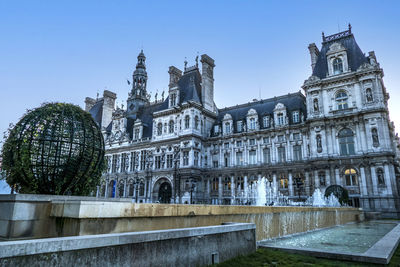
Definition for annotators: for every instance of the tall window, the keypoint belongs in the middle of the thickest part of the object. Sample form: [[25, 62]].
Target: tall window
[[297, 152], [159, 129], [351, 177], [196, 158], [266, 121], [252, 125], [226, 160], [227, 183], [266, 155], [171, 126], [375, 137], [280, 119], [239, 158], [252, 142], [158, 162], [114, 163], [346, 142], [169, 161], [252, 157], [380, 176], [216, 129], [185, 158], [337, 66], [239, 183], [196, 122], [368, 95], [239, 126], [281, 154], [187, 121], [341, 100], [173, 99], [214, 185], [137, 133], [296, 117], [227, 127], [283, 181], [239, 143]]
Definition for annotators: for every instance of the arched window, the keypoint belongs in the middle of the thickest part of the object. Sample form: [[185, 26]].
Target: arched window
[[351, 177], [187, 121], [196, 122], [368, 95], [171, 126], [346, 142], [380, 176], [283, 180], [341, 100], [227, 183], [337, 66], [159, 128], [141, 188], [214, 185], [227, 127], [375, 137]]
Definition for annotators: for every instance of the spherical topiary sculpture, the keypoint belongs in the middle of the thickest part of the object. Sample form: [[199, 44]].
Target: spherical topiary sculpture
[[56, 149]]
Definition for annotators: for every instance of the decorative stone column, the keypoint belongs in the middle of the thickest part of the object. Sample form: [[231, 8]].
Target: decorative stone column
[[232, 190], [124, 187], [220, 189], [374, 181], [275, 184], [363, 186], [316, 179], [290, 184], [106, 190], [245, 186], [327, 177], [307, 183], [387, 180], [337, 176]]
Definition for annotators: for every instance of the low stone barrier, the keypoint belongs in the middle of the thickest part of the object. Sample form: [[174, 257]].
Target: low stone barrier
[[176, 247], [69, 216]]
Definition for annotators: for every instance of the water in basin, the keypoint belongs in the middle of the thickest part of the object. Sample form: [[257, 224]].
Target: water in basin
[[349, 238]]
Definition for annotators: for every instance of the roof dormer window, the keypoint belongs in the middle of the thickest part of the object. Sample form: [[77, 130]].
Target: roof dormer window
[[337, 66]]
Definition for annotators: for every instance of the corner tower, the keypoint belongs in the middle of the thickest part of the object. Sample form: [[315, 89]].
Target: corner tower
[[138, 95]]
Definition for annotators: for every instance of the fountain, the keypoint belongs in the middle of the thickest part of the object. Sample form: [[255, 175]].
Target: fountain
[[263, 193]]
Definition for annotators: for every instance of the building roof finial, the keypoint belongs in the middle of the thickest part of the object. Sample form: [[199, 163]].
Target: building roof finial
[[323, 36], [349, 28], [185, 62]]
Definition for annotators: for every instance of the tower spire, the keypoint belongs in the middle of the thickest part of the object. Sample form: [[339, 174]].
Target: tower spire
[[139, 81]]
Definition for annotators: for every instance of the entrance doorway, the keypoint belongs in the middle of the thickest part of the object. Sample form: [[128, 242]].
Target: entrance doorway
[[165, 193]]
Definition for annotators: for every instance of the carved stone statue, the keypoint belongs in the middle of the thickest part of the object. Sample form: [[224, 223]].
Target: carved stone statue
[[319, 143]]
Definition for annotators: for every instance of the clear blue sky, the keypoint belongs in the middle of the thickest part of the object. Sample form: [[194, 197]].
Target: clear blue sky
[[67, 50]]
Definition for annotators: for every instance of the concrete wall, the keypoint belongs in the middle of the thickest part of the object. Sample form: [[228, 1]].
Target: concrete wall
[[68, 216], [177, 247]]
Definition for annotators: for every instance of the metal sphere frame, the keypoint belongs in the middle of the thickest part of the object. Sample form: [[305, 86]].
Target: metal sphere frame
[[55, 149]]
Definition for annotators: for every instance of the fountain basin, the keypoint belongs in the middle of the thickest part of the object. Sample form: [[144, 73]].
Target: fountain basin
[[371, 241], [36, 216]]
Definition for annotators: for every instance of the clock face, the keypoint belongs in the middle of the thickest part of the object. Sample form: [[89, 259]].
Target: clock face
[[132, 106]]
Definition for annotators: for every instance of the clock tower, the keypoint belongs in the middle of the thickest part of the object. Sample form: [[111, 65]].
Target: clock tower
[[138, 96]]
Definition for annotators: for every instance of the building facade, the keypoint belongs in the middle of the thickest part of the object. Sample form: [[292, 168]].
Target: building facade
[[183, 149]]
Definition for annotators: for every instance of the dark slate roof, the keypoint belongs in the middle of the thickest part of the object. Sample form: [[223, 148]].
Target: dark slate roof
[[190, 86], [97, 112], [355, 56], [292, 102], [145, 114]]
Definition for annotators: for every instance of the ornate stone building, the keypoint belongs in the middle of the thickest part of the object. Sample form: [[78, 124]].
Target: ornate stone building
[[183, 149]]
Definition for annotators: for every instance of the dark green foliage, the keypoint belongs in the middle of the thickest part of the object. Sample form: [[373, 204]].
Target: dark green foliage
[[339, 192], [56, 149], [270, 257]]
